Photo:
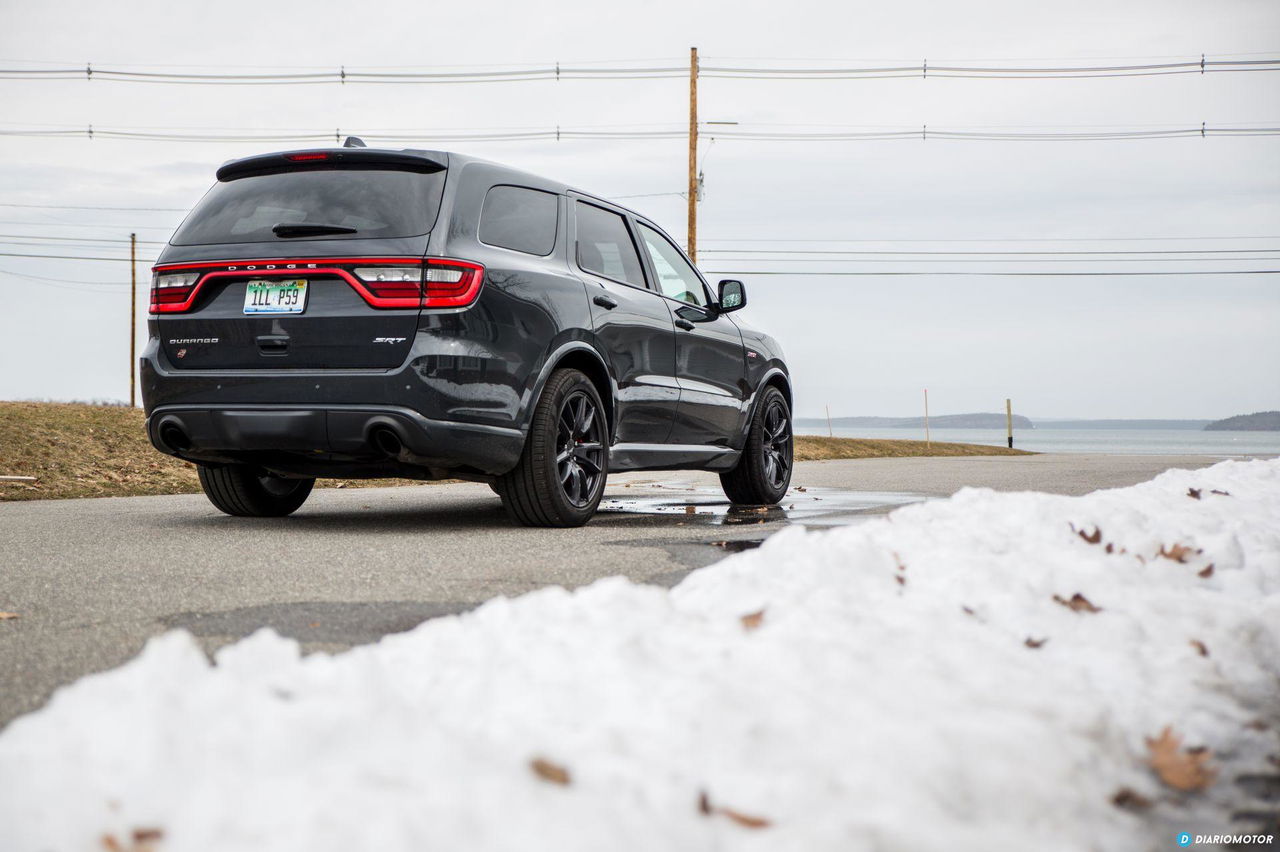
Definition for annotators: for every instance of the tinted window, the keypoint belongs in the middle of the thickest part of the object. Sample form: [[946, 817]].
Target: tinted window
[[521, 219], [605, 246], [676, 278], [376, 203]]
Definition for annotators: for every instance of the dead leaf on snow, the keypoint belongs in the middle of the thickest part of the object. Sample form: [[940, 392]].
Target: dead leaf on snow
[[1034, 643], [801, 489], [902, 581], [1078, 603], [752, 620], [1256, 725], [967, 610], [1093, 538], [1178, 552], [1130, 800], [145, 839], [1207, 572], [691, 510], [1193, 493], [1179, 768], [548, 771], [1222, 493], [1200, 647], [746, 820]]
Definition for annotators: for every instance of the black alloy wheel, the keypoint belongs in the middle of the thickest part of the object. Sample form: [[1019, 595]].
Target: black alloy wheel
[[763, 472], [580, 448], [561, 475], [776, 444]]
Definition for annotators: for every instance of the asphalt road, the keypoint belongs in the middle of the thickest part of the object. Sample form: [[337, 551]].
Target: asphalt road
[[91, 580]]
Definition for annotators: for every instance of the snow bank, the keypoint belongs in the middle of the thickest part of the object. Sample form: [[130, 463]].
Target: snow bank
[[887, 699]]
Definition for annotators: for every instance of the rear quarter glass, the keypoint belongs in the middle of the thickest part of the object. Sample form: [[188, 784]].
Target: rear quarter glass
[[379, 204]]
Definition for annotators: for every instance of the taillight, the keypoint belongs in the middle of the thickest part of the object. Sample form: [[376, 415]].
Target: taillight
[[451, 283], [448, 284], [391, 286], [172, 292], [398, 282]]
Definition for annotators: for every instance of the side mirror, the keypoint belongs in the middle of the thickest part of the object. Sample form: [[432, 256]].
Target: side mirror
[[733, 296]]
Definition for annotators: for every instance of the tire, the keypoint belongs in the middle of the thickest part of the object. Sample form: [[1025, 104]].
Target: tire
[[250, 492], [764, 468], [560, 477]]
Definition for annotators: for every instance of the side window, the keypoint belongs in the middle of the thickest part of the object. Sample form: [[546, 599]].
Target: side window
[[676, 277], [521, 219], [605, 246]]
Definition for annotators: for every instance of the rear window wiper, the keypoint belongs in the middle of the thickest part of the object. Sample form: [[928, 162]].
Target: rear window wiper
[[306, 229]]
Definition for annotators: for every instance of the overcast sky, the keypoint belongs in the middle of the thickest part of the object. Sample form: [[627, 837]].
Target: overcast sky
[[1160, 346]]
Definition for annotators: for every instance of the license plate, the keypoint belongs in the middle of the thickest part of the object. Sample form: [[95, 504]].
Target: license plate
[[275, 297]]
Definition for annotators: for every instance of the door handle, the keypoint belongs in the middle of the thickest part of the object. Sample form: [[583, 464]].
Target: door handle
[[685, 324], [607, 302]]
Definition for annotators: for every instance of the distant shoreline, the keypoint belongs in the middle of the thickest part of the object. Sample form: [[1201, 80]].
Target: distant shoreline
[[996, 421]]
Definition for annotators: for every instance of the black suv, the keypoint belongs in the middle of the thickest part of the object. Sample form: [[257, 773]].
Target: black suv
[[353, 312]]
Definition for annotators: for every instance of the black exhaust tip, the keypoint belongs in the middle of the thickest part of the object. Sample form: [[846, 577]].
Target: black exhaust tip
[[386, 441], [172, 436]]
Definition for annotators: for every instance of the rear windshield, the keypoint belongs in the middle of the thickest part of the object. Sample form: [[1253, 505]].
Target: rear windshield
[[375, 203]]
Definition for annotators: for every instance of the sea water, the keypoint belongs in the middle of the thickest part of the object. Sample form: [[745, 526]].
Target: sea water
[[1137, 441]]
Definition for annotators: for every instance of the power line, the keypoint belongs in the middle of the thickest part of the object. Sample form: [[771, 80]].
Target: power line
[[1108, 273], [69, 257], [63, 280], [102, 226], [81, 240], [979, 239], [341, 75], [84, 207], [858, 252], [558, 134]]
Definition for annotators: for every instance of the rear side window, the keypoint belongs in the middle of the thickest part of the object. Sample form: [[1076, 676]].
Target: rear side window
[[605, 246], [520, 219], [379, 203]]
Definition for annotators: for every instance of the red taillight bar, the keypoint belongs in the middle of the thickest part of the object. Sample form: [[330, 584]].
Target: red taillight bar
[[393, 295]]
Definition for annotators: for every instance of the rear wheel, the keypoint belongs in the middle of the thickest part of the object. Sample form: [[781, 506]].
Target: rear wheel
[[764, 469], [251, 492], [560, 477]]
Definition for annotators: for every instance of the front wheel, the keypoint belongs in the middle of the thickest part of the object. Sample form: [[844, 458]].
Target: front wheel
[[560, 477], [764, 468], [251, 492]]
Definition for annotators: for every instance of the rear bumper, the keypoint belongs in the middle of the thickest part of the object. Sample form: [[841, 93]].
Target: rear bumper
[[340, 438]]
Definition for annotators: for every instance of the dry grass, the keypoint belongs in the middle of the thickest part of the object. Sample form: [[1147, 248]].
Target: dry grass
[[77, 450], [811, 448]]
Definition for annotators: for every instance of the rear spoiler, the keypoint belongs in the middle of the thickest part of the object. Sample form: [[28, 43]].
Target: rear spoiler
[[425, 162]]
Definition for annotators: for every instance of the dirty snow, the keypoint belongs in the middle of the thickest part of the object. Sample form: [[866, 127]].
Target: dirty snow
[[887, 699]]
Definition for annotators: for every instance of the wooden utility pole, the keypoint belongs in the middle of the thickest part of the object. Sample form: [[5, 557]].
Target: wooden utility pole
[[133, 318], [927, 440], [692, 245], [1008, 420]]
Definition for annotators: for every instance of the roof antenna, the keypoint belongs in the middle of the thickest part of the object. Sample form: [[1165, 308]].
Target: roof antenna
[[354, 142]]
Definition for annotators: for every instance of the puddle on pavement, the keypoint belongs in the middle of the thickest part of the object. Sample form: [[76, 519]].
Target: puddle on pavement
[[695, 505]]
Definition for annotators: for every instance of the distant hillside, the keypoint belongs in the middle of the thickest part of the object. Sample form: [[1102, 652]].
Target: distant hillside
[[1122, 424], [943, 421], [1259, 421]]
